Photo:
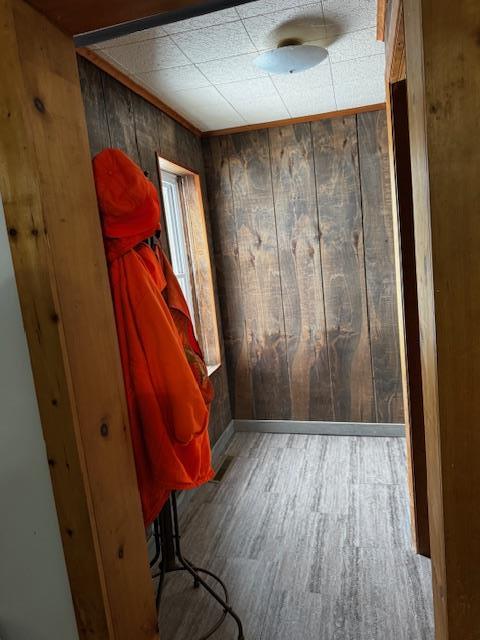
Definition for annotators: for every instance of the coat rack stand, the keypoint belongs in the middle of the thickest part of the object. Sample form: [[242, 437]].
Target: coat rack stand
[[169, 556]]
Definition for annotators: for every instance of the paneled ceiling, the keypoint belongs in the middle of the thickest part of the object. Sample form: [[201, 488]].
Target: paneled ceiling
[[203, 67]]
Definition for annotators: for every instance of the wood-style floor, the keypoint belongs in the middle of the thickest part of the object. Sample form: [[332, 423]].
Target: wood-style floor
[[311, 535]]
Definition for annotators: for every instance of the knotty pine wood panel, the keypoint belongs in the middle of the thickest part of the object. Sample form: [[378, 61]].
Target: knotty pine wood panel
[[118, 117], [379, 265], [296, 216], [228, 275], [340, 214], [260, 273]]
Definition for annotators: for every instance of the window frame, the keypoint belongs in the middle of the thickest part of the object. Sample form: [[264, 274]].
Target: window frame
[[198, 259]]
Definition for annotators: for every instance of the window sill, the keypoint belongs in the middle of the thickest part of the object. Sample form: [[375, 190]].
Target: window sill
[[211, 368]]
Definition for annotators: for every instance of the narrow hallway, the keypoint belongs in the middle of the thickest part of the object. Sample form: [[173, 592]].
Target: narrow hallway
[[311, 535]]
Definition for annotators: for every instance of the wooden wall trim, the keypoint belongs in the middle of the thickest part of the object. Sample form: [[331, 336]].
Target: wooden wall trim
[[381, 15], [395, 61], [401, 320], [407, 302], [280, 123], [136, 88], [51, 212]]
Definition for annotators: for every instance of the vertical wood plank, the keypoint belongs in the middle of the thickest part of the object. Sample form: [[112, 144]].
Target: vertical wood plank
[[340, 215], [144, 125], [443, 108], [50, 206], [221, 411], [168, 138], [407, 302], [379, 265], [296, 217], [121, 123], [260, 273], [227, 262], [94, 103]]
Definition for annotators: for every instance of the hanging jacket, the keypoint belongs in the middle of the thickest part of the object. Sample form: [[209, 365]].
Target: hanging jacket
[[167, 387]]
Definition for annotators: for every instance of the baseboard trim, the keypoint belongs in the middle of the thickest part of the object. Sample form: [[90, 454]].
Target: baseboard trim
[[307, 427], [220, 447]]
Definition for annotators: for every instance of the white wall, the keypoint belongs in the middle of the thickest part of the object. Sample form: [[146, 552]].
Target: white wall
[[35, 598]]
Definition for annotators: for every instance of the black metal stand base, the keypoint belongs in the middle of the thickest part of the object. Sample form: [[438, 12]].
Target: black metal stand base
[[169, 556]]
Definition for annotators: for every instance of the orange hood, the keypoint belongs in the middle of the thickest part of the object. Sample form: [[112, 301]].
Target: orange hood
[[128, 201]]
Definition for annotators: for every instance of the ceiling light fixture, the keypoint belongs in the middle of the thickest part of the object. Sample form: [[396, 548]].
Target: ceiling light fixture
[[291, 56]]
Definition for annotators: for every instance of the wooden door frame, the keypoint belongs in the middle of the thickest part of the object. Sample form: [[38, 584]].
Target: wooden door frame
[[416, 450], [435, 45], [50, 207], [407, 307]]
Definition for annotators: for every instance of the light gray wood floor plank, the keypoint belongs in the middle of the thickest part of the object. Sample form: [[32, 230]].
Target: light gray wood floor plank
[[311, 535]]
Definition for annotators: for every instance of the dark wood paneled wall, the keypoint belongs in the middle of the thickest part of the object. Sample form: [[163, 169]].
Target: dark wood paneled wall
[[117, 117], [302, 232]]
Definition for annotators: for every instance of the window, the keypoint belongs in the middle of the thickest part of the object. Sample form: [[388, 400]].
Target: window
[[189, 253], [176, 235]]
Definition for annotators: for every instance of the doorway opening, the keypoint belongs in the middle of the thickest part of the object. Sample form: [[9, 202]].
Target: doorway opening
[[309, 525]]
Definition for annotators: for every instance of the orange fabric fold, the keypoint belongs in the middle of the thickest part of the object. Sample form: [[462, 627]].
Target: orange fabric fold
[[167, 391]]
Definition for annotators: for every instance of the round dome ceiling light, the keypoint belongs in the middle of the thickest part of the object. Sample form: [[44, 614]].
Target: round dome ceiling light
[[291, 56]]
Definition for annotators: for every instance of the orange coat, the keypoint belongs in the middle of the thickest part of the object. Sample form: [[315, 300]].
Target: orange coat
[[166, 381]]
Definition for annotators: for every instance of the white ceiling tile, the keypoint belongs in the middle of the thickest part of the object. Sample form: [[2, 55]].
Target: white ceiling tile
[[204, 96], [139, 57], [360, 69], [205, 105], [231, 69], [309, 101], [247, 90], [318, 76], [250, 9], [342, 16], [163, 81], [138, 36], [210, 121], [115, 63], [359, 93], [356, 44], [215, 42], [219, 48], [200, 22], [213, 121], [302, 22], [264, 109]]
